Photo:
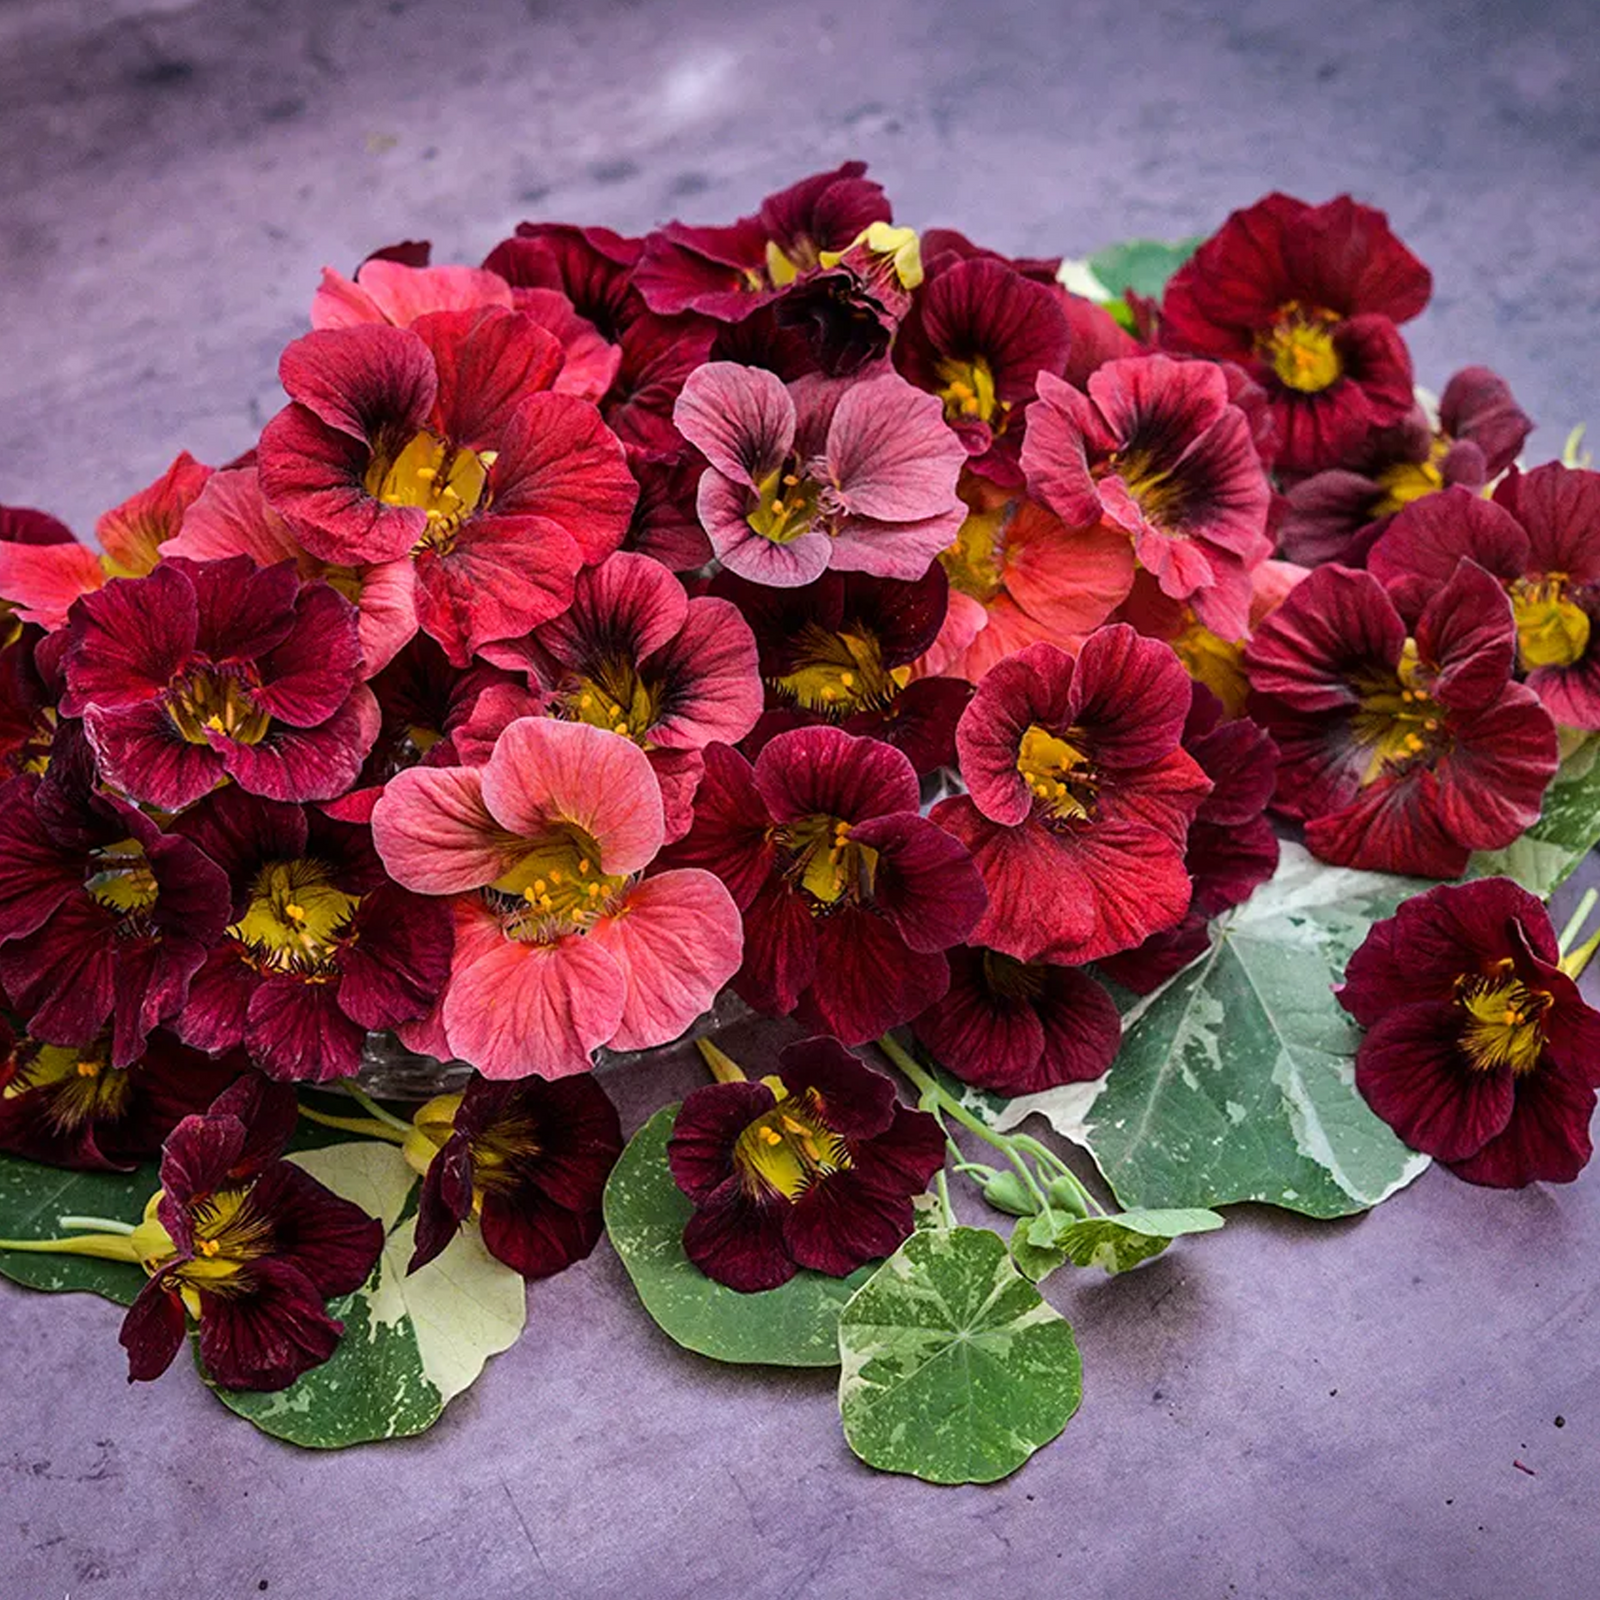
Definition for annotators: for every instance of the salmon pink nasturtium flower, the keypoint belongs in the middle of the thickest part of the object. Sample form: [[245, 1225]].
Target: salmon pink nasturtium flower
[[1306, 299], [1400, 754], [247, 1244], [1080, 797], [528, 1159], [1479, 1050], [850, 897], [1158, 448], [441, 443], [207, 670], [814, 1166], [859, 477], [562, 945]]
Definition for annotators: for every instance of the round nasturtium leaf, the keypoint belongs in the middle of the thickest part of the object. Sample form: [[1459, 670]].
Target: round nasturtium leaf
[[794, 1325], [954, 1369]]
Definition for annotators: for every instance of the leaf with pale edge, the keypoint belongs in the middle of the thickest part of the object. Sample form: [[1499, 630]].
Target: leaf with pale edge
[[33, 1196], [953, 1369], [411, 1344], [1123, 1241], [794, 1325], [1567, 830]]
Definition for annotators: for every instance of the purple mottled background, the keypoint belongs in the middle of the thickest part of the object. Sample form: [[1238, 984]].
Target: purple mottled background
[[1285, 1410]]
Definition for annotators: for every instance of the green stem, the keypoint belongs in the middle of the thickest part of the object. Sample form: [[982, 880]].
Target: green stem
[[1577, 919], [944, 1200], [367, 1103], [370, 1126], [1062, 1171], [94, 1224]]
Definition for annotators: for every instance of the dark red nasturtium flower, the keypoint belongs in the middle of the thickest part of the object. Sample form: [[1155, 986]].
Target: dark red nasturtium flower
[[208, 670], [1336, 515], [849, 897], [1306, 299], [1540, 536], [1400, 754], [321, 946], [1479, 1050], [249, 1245], [102, 914], [1080, 797], [69, 1106], [28, 697], [1016, 1027], [813, 1167], [592, 267], [529, 1159]]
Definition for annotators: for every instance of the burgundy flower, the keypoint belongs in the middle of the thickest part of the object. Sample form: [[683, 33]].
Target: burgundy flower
[[1231, 846], [208, 670], [1336, 515], [1479, 1050], [249, 1245], [837, 651], [321, 947], [860, 477], [1158, 448], [850, 898], [666, 523], [1019, 1028], [815, 1168], [1080, 797], [69, 1106], [657, 356], [102, 915], [592, 267], [1400, 755], [27, 707], [1306, 299], [528, 1159]]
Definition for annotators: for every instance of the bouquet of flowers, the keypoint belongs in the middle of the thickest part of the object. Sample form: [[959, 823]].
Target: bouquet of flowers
[[979, 687]]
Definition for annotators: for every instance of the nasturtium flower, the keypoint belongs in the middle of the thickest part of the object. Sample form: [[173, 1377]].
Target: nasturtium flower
[[839, 650], [134, 535], [813, 1166], [1400, 754], [1306, 299], [978, 335], [635, 655], [321, 947], [43, 569], [207, 670], [442, 443], [1479, 1050], [1158, 448], [666, 523], [562, 945], [70, 1106], [28, 697], [1336, 515], [1016, 1027], [1080, 797], [231, 517], [849, 897], [591, 267], [859, 477], [528, 1160], [247, 1244], [103, 916], [1540, 536]]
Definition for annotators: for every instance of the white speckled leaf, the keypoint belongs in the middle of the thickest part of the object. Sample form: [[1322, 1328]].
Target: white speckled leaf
[[32, 1197], [411, 1344], [1567, 830], [953, 1369]]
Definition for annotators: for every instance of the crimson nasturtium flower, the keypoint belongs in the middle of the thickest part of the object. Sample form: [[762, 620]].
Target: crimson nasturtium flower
[[29, 692], [849, 897], [207, 670], [814, 1166], [1306, 299], [43, 569], [103, 916], [1080, 797], [1479, 1050], [1158, 448], [441, 443], [1400, 754], [1540, 536], [529, 1160], [860, 477], [249, 1245], [562, 945], [134, 535], [321, 946]]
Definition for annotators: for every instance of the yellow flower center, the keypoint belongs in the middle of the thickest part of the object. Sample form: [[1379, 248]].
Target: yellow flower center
[[1301, 351], [837, 674], [967, 389], [82, 1085], [211, 701], [786, 506], [1412, 480], [826, 863], [975, 563], [1551, 630], [1158, 491], [1504, 1024], [296, 918], [1398, 721], [1061, 776], [446, 481], [615, 698], [1215, 662], [121, 878], [557, 886], [229, 1233], [790, 1147]]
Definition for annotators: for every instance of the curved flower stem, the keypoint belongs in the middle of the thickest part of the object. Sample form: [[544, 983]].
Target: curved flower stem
[[1062, 1171], [370, 1126], [94, 1224], [367, 1103]]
